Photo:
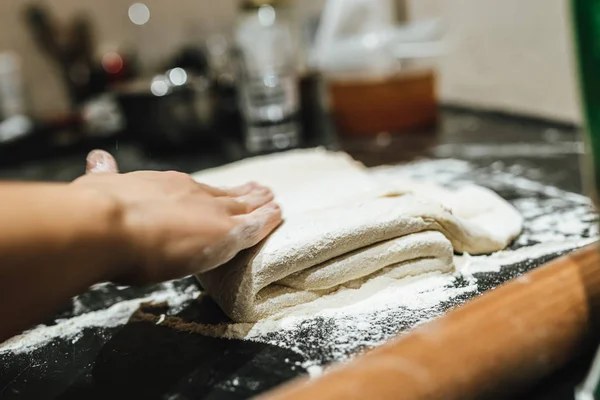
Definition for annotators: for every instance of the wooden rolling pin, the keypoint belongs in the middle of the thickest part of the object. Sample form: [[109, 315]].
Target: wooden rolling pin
[[493, 345]]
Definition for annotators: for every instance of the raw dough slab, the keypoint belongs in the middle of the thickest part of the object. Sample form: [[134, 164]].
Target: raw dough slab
[[342, 228], [302, 180]]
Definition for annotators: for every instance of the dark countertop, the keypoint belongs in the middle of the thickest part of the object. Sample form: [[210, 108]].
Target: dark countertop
[[147, 361]]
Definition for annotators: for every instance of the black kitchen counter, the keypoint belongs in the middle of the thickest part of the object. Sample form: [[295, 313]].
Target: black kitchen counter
[[144, 360]]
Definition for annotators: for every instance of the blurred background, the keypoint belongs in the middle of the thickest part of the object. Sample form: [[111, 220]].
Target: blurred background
[[192, 84], [196, 83]]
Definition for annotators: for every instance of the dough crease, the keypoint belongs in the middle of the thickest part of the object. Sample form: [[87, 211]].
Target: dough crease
[[341, 228]]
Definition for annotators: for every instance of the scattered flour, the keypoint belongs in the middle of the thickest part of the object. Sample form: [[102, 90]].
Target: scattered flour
[[78, 306], [468, 265], [111, 317], [314, 371], [336, 327], [329, 329]]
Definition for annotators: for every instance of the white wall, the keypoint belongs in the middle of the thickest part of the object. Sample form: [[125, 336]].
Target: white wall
[[513, 55]]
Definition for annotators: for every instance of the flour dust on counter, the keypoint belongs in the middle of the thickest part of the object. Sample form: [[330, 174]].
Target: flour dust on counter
[[555, 222], [115, 314], [343, 228]]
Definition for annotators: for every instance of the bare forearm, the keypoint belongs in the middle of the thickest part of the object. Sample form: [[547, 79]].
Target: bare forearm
[[137, 228], [55, 241]]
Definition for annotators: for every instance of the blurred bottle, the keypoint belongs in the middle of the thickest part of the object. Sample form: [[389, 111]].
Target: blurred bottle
[[223, 87], [268, 76], [14, 122], [381, 74], [11, 96]]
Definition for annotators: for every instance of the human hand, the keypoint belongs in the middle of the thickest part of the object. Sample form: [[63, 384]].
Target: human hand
[[172, 226]]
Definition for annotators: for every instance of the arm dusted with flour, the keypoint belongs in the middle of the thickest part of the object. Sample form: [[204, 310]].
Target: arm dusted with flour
[[143, 227]]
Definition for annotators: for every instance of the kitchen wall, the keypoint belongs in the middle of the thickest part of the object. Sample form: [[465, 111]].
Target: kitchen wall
[[171, 24], [168, 26], [510, 55]]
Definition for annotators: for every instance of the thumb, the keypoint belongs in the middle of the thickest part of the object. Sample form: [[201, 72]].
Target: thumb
[[100, 161]]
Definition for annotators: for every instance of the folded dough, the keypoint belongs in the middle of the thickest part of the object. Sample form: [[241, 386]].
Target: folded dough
[[301, 179], [342, 228]]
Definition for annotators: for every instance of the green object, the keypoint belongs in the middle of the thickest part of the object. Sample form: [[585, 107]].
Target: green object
[[586, 24], [586, 27]]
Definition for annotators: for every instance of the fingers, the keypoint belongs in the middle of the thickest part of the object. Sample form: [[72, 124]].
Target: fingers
[[236, 191], [257, 197], [100, 161], [213, 191], [241, 190], [234, 207], [257, 225]]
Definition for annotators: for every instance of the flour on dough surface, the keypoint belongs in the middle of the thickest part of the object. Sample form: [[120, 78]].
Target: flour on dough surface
[[301, 180], [336, 327], [342, 227]]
